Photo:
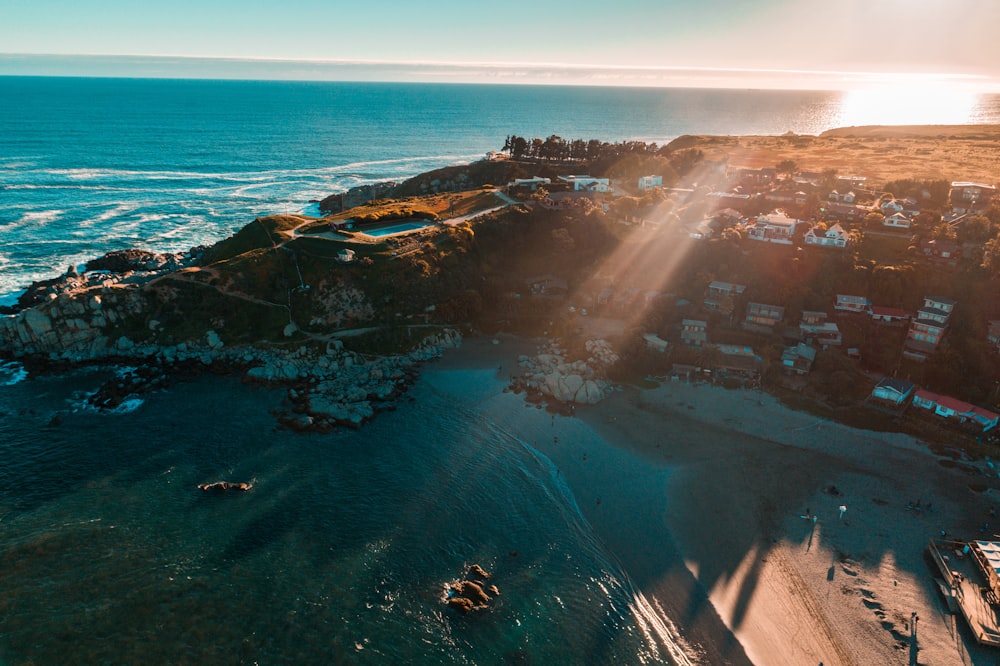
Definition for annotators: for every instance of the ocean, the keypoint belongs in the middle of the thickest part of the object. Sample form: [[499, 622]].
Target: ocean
[[340, 553]]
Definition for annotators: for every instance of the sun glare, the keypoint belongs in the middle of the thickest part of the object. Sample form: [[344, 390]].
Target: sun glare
[[915, 103]]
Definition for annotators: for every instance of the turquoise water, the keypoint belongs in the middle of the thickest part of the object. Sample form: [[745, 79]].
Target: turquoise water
[[338, 554], [393, 229]]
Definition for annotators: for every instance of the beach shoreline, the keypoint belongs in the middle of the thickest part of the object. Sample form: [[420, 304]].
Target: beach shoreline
[[748, 491]]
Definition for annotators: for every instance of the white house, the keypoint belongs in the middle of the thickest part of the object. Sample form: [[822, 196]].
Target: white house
[[892, 206], [346, 256], [649, 182], [835, 236], [775, 228], [587, 183], [530, 183], [893, 390], [897, 220]]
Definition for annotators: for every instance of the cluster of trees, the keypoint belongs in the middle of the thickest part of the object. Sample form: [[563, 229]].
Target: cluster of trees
[[555, 148]]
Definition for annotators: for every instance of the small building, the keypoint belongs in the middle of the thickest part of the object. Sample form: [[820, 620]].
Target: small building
[[650, 182], [893, 390], [694, 332], [823, 334], [891, 206], [897, 220], [798, 359], [722, 296], [738, 361], [587, 183], [891, 316], [813, 317], [346, 256], [530, 183], [655, 342], [763, 314], [834, 236], [850, 303]]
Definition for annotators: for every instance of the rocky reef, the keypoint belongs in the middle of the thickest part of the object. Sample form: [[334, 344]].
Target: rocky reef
[[471, 593], [105, 317]]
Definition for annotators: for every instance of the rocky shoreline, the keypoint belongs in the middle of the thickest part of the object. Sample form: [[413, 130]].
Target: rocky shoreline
[[62, 323]]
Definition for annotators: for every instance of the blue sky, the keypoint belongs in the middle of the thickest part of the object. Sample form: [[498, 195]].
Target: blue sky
[[746, 43]]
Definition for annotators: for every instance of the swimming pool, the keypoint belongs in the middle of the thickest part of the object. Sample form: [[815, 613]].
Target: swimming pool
[[393, 229]]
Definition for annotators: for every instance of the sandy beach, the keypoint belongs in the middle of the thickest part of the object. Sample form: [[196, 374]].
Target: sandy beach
[[703, 491]]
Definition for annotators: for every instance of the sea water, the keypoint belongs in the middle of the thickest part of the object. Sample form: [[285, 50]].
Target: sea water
[[340, 552]]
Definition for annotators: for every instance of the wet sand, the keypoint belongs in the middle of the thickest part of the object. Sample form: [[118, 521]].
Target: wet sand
[[701, 491]]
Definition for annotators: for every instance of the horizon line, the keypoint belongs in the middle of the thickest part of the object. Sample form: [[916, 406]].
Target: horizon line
[[537, 73]]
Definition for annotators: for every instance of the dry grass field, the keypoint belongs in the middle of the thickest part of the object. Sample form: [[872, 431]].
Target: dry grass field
[[880, 153]]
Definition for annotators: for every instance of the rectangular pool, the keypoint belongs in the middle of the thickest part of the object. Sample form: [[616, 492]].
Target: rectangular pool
[[393, 229]]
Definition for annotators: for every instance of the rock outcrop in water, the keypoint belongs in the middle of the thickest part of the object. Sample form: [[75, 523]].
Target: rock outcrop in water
[[472, 593]]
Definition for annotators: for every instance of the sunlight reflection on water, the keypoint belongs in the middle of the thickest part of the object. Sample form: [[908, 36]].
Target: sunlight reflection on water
[[911, 104]]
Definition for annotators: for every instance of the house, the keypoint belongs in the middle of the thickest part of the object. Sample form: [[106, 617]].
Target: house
[[891, 316], [891, 206], [774, 228], [835, 236], [798, 359], [693, 332], [762, 314], [530, 183], [836, 196], [941, 252], [993, 334], [587, 183], [893, 390], [738, 361], [927, 328], [655, 342], [966, 196], [824, 334], [813, 317], [851, 182], [721, 296], [897, 220], [763, 176], [346, 256], [844, 211], [650, 182], [956, 410], [849, 303]]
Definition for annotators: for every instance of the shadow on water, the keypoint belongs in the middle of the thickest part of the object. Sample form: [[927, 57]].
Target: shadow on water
[[263, 531]]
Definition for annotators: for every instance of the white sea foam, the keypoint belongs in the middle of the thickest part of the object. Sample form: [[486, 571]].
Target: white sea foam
[[118, 211], [11, 373], [39, 217]]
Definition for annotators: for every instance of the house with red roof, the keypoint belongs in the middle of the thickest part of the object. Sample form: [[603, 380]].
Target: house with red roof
[[956, 410], [884, 315]]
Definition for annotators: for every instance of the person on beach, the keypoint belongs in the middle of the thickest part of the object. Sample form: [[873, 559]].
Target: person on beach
[[843, 510]]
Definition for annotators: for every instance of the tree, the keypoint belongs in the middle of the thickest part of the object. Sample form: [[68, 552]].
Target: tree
[[787, 167], [991, 257]]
